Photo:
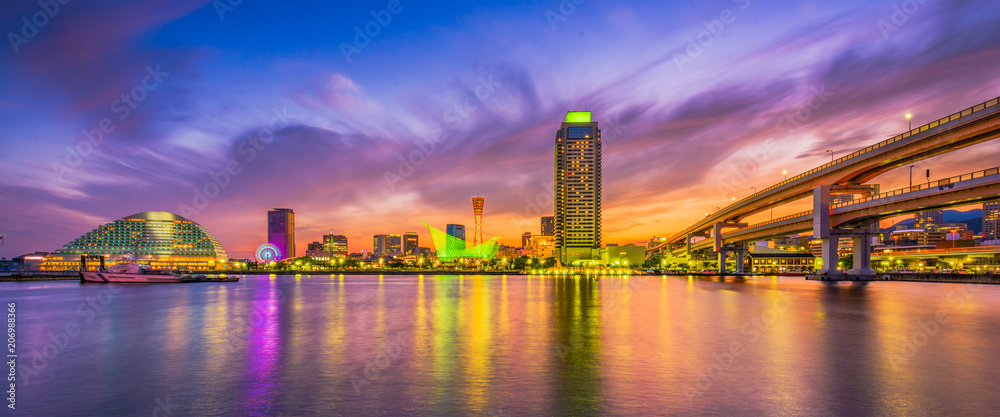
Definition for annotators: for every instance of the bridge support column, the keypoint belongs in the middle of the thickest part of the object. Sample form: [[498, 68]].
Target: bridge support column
[[862, 256], [829, 257], [821, 229], [741, 258], [722, 261]]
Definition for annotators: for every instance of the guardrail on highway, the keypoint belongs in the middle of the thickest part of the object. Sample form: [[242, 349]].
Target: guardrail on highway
[[779, 219], [952, 117], [955, 116], [938, 183]]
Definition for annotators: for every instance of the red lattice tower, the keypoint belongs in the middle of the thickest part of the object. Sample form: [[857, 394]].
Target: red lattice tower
[[477, 208]]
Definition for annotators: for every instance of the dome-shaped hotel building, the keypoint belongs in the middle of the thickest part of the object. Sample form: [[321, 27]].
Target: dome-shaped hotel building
[[164, 240]]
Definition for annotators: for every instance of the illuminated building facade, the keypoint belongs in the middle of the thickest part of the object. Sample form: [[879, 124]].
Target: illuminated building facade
[[336, 245], [411, 243], [916, 237], [161, 239], [477, 211], [927, 219], [577, 220], [450, 247], [387, 245], [509, 252], [548, 226], [540, 247], [991, 220], [281, 231], [316, 250]]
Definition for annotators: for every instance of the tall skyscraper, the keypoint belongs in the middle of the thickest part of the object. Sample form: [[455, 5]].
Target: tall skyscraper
[[411, 242], [477, 211], [991, 220], [281, 231], [928, 219], [336, 245], [548, 226], [387, 245], [378, 245], [577, 188]]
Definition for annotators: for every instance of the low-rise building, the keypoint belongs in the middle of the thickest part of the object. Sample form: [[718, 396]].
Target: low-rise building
[[764, 260]]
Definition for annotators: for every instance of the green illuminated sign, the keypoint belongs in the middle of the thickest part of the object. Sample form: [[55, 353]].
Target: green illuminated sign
[[578, 117]]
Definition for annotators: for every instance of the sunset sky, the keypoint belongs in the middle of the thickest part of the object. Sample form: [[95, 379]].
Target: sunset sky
[[304, 113]]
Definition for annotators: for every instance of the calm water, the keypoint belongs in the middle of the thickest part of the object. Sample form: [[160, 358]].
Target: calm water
[[448, 345]]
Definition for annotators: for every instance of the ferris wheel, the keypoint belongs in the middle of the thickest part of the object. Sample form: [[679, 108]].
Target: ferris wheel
[[267, 252]]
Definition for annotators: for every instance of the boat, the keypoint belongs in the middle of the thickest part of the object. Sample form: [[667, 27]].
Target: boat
[[131, 272]]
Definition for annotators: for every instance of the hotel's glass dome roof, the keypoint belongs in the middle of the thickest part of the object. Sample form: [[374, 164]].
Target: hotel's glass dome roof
[[150, 233]]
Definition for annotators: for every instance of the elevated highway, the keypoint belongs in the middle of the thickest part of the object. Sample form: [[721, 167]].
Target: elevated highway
[[960, 190], [848, 174]]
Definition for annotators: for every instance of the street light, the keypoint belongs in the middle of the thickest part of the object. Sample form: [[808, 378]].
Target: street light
[[785, 173], [831, 155], [909, 121]]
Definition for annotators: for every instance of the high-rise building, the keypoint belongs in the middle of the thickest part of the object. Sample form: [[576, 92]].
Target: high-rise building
[[316, 250], [394, 245], [525, 239], [387, 245], [577, 188], [336, 245], [928, 219], [991, 220], [281, 231], [378, 245], [411, 243], [477, 211], [457, 231], [548, 226]]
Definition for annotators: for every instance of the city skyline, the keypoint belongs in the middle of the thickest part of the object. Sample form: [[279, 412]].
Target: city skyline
[[211, 100]]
